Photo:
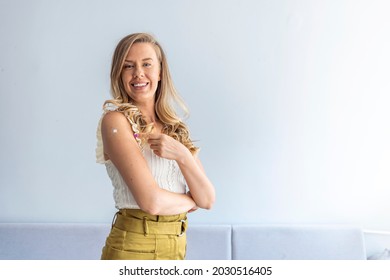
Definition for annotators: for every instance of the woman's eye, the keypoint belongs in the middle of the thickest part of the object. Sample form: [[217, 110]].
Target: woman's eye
[[128, 66], [147, 64]]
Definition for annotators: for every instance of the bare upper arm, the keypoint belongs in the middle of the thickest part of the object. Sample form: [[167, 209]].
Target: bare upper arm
[[122, 149], [115, 129]]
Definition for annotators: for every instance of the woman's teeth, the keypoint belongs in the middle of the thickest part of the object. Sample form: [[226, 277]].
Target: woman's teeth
[[140, 85]]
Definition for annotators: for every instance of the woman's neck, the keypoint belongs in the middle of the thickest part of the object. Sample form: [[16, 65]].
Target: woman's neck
[[148, 113]]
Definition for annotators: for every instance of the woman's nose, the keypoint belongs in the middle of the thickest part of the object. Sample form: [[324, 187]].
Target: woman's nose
[[138, 73]]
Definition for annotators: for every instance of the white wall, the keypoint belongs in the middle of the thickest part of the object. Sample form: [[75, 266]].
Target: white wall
[[289, 102]]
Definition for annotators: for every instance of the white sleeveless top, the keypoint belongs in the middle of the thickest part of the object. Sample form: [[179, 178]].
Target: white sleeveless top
[[166, 173]]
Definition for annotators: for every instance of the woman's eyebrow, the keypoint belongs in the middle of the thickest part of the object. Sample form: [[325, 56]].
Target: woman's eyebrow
[[148, 58]]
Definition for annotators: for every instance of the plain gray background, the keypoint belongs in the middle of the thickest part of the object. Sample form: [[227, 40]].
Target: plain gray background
[[289, 102]]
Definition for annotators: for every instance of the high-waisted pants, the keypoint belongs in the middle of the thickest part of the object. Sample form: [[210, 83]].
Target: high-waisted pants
[[137, 235]]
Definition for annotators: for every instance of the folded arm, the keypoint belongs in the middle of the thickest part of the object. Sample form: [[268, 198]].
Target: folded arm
[[202, 190], [122, 149]]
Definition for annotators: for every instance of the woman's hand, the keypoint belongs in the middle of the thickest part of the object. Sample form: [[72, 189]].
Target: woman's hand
[[193, 208], [166, 147]]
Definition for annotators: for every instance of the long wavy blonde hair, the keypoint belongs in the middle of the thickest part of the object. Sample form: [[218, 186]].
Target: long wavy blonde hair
[[165, 98]]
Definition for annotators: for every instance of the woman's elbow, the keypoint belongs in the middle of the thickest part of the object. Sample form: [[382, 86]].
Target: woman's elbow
[[149, 206], [208, 204], [150, 209]]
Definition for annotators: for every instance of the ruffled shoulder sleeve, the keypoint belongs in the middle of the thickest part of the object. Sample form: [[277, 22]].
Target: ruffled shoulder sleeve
[[99, 145]]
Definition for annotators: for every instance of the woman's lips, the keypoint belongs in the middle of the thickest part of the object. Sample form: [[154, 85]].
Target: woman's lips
[[139, 85]]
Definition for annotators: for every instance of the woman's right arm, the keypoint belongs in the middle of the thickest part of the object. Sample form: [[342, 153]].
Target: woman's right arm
[[122, 149]]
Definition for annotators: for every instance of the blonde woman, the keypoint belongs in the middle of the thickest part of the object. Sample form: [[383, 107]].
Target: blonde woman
[[149, 156]]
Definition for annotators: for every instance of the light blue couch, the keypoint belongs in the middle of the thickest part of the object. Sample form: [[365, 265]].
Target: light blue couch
[[205, 242]]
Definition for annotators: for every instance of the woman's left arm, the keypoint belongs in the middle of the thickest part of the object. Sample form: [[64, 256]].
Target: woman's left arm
[[202, 190]]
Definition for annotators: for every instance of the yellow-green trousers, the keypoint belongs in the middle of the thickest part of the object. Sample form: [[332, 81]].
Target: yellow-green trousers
[[137, 235]]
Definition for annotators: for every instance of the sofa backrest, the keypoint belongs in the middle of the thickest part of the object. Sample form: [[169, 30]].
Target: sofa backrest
[[209, 242], [255, 242], [85, 241], [204, 242], [52, 241]]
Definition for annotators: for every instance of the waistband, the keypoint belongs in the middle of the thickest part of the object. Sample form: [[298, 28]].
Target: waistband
[[138, 221]]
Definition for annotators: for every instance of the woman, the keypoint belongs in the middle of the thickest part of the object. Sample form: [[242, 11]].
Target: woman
[[149, 156]]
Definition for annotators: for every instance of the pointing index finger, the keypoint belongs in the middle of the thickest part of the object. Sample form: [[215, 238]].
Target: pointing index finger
[[148, 136]]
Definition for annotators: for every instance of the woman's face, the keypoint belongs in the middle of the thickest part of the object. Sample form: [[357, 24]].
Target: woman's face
[[141, 73]]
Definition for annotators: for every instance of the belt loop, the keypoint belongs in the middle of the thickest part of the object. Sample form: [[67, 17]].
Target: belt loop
[[183, 227], [146, 229], [114, 219]]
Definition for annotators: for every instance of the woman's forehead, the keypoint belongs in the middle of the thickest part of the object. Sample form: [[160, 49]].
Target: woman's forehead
[[141, 51]]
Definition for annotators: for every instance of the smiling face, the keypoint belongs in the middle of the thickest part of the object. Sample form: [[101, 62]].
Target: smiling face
[[141, 73]]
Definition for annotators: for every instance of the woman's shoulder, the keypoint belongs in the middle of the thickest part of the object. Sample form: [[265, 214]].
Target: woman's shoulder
[[111, 117], [114, 120]]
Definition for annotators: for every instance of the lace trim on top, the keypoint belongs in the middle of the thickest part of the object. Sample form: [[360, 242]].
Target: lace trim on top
[[99, 145]]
